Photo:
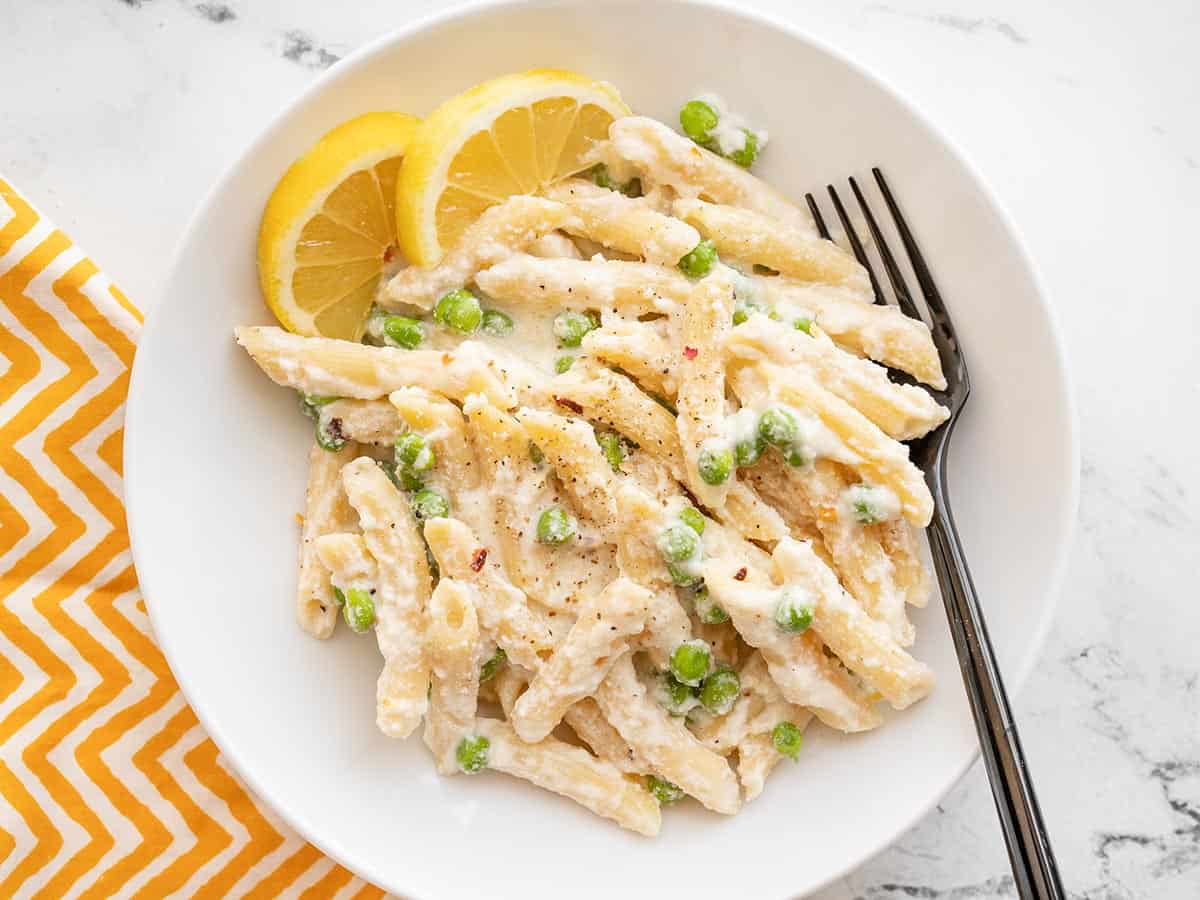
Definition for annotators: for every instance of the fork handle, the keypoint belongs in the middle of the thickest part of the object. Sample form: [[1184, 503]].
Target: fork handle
[[1035, 871]]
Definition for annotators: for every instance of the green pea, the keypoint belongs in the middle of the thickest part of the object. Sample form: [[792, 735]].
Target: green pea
[[675, 696], [571, 326], [698, 119], [407, 333], [492, 666], [745, 157], [787, 739], [715, 464], [310, 404], [563, 363], [794, 611], [681, 576], [778, 427], [678, 543], [338, 596], [741, 313], [708, 610], [359, 610], [610, 443], [692, 518], [720, 691], [329, 433], [427, 504], [414, 453], [803, 323], [796, 456], [555, 526], [698, 261], [664, 791], [409, 480], [749, 451], [496, 323], [601, 178], [459, 309], [690, 662], [865, 513], [472, 754], [536, 456]]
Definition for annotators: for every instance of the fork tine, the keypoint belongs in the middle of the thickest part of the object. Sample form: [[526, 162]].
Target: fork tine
[[920, 269], [856, 245], [895, 276], [817, 217]]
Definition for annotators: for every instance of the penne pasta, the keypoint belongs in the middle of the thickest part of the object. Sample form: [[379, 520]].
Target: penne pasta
[[390, 533], [574, 773], [554, 245], [596, 640], [797, 663], [637, 348], [901, 411], [633, 288], [441, 423], [757, 238], [452, 645], [364, 421], [503, 610], [882, 333], [501, 231], [590, 726], [877, 458], [702, 325], [325, 509], [664, 157], [627, 225], [864, 645], [334, 368], [811, 496]]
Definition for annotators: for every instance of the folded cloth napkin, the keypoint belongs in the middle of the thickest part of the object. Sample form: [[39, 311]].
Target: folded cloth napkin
[[108, 786]]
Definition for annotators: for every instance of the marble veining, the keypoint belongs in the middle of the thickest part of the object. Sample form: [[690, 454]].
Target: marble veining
[[215, 12], [1081, 115], [302, 49], [965, 24]]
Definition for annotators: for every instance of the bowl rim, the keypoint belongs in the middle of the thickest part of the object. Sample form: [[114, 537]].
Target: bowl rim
[[466, 10]]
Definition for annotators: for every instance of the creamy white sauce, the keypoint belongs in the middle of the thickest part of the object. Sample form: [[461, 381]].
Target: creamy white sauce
[[816, 439], [880, 503], [788, 313], [730, 131]]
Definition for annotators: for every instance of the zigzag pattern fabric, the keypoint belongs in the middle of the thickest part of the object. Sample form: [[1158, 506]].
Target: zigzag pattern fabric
[[108, 785]]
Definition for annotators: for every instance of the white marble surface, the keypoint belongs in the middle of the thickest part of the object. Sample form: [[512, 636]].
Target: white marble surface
[[1081, 113]]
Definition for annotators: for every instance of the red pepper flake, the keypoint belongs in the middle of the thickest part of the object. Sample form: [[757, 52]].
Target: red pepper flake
[[447, 358], [741, 574], [389, 254], [690, 352], [569, 404], [478, 559]]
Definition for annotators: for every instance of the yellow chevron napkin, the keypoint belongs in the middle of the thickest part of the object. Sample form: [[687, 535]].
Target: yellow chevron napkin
[[108, 786]]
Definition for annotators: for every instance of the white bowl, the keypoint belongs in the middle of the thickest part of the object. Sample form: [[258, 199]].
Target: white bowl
[[216, 463]]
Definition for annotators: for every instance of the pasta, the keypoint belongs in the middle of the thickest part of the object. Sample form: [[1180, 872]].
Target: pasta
[[629, 511], [325, 510]]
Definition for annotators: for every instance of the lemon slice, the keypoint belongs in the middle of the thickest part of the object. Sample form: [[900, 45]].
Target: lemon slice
[[330, 227], [511, 135]]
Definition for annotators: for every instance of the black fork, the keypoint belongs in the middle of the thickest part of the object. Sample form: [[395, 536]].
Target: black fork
[[1035, 871]]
